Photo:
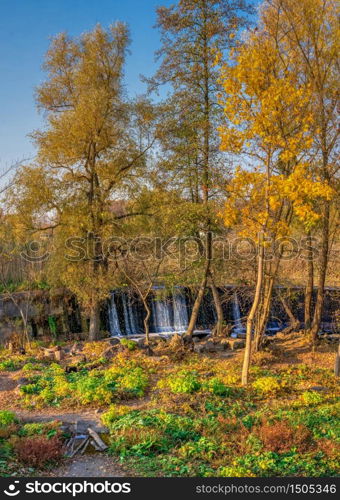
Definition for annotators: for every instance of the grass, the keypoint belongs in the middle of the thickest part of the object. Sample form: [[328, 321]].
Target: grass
[[191, 417]]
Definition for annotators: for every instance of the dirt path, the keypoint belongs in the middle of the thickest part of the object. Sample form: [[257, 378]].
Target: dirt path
[[82, 419], [98, 465]]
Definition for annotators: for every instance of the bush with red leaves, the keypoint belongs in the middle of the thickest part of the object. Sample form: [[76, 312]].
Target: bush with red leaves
[[281, 437], [37, 451]]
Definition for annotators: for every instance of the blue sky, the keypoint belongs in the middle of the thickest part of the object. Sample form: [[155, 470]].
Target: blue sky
[[25, 29]]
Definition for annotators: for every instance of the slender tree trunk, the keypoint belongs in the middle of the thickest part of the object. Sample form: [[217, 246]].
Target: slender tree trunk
[[294, 323], [263, 319], [251, 317], [146, 321], [205, 179], [337, 363], [94, 329], [309, 284], [218, 307], [322, 275], [198, 301]]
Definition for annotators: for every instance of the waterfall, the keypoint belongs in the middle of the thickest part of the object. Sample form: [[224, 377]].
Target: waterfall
[[132, 317], [180, 312], [113, 318], [161, 311], [129, 319], [238, 327]]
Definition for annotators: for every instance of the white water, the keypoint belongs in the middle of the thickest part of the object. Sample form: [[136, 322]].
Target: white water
[[113, 318], [127, 319], [180, 312], [161, 311], [169, 315], [238, 327]]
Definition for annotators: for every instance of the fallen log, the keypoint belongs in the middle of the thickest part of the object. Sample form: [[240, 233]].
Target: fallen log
[[97, 439]]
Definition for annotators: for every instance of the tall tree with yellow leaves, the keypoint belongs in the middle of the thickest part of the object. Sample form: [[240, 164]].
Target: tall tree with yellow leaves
[[92, 143], [270, 125], [309, 32], [193, 32]]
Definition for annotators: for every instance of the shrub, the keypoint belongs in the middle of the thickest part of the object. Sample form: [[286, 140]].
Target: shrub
[[280, 437], [129, 379], [217, 387], [185, 382], [113, 414], [8, 365], [39, 450], [129, 344], [49, 429], [30, 389], [203, 449], [311, 398], [89, 388], [30, 367], [267, 385], [7, 418]]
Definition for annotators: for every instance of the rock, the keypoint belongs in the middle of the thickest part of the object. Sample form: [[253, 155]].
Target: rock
[[319, 388], [109, 353], [59, 355], [114, 341], [157, 339], [210, 346], [23, 381], [199, 348], [76, 348]]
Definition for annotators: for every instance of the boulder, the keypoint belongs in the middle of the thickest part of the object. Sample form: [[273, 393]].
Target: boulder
[[114, 341], [237, 344]]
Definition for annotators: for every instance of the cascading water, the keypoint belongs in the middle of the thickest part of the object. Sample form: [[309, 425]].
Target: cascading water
[[238, 327], [180, 312], [161, 312], [132, 317], [113, 317], [129, 318]]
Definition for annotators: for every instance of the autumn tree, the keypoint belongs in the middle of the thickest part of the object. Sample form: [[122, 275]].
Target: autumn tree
[[269, 128], [193, 32], [92, 145], [309, 31]]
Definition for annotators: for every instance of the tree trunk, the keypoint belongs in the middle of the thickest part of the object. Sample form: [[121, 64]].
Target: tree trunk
[[294, 323], [322, 275], [263, 319], [218, 307], [251, 316], [337, 363], [198, 302], [309, 284], [146, 322], [94, 321]]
